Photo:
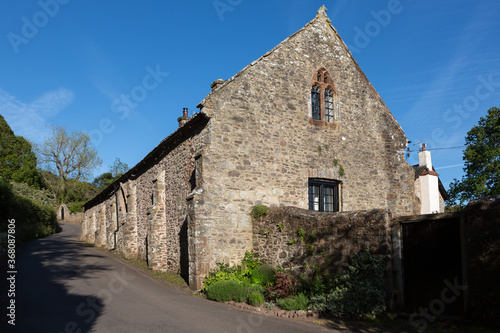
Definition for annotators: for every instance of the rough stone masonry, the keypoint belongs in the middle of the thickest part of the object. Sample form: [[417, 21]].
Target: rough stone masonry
[[258, 138]]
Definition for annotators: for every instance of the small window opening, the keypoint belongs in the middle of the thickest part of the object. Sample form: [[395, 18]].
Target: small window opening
[[154, 193], [324, 196]]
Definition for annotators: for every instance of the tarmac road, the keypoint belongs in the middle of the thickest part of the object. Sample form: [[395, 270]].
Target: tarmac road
[[64, 286]]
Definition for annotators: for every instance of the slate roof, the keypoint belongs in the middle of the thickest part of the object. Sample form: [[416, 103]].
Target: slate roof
[[153, 157]]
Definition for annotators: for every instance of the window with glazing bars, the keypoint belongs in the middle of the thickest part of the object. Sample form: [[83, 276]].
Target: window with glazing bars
[[315, 99], [328, 105], [322, 97], [323, 196]]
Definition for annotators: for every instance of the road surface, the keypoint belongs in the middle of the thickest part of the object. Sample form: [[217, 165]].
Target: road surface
[[65, 286]]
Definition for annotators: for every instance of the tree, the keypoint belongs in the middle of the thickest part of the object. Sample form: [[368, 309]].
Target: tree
[[115, 171], [70, 156], [482, 161], [17, 159], [104, 180], [118, 168]]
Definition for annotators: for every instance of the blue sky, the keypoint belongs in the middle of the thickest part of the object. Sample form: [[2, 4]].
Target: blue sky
[[436, 64]]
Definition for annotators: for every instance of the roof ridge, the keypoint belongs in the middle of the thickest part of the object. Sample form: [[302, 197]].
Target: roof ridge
[[321, 14]]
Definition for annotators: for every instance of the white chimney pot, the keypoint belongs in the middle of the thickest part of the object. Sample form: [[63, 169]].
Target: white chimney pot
[[424, 159]]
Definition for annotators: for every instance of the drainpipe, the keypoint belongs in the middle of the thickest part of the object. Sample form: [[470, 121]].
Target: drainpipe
[[117, 220]]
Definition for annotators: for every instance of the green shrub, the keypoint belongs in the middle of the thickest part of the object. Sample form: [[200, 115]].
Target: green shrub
[[41, 196], [231, 290], [76, 207], [223, 291], [259, 210], [256, 299], [250, 261], [221, 273], [246, 289], [296, 302], [256, 288], [242, 293], [32, 220], [263, 275], [359, 289], [316, 285]]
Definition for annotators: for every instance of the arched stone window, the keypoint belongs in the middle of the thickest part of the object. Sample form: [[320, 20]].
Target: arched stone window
[[323, 97]]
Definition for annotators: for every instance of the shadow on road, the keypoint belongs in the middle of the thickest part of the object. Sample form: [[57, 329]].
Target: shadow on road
[[45, 269]]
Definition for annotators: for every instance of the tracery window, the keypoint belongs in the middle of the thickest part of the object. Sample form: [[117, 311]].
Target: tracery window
[[322, 97]]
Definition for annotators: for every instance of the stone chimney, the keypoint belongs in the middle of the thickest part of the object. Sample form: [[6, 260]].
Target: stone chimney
[[184, 119], [429, 184], [216, 84]]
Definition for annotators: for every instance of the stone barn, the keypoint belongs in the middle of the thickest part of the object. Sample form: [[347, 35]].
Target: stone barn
[[300, 126]]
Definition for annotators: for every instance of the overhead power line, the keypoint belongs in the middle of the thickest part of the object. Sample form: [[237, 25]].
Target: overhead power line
[[440, 148], [457, 147]]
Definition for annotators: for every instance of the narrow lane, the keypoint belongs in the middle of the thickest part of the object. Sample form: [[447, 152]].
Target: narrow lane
[[64, 286]]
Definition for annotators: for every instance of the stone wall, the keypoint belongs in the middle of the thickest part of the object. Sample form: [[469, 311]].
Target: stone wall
[[146, 209], [258, 145], [65, 215], [326, 239], [266, 146]]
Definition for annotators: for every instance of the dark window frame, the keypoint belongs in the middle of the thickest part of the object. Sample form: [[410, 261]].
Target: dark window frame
[[316, 102], [329, 105], [324, 189]]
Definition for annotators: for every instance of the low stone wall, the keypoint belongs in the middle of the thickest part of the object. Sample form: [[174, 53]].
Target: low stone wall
[[305, 241], [73, 218], [65, 215]]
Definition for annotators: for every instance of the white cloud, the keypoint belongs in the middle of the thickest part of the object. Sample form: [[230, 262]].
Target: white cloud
[[30, 119], [450, 166], [52, 102]]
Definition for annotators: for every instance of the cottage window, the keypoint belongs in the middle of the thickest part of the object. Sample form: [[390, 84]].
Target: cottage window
[[324, 196], [322, 97]]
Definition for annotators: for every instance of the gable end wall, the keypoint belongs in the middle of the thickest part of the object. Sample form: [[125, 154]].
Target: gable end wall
[[265, 146]]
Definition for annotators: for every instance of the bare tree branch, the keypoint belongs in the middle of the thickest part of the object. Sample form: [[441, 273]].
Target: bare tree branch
[[72, 156]]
